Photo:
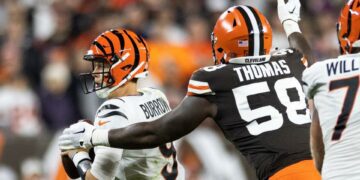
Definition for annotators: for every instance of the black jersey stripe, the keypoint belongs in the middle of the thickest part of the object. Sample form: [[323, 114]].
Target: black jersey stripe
[[136, 49], [250, 29], [261, 30]]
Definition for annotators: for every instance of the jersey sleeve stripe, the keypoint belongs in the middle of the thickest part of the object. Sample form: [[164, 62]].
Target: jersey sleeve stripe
[[198, 83], [198, 87], [197, 91]]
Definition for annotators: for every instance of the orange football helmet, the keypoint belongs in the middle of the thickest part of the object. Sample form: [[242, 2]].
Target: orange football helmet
[[348, 27], [240, 31], [125, 56]]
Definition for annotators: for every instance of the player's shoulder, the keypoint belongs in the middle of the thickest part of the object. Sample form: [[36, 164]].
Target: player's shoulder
[[286, 53], [317, 68], [209, 72], [151, 91]]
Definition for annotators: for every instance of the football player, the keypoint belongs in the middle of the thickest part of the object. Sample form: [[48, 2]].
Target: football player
[[255, 98], [334, 87], [119, 57]]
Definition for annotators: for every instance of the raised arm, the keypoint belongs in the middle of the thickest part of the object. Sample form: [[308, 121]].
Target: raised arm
[[177, 123], [289, 15]]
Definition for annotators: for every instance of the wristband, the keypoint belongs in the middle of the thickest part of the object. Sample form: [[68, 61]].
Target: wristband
[[290, 27], [100, 137], [83, 166], [79, 156]]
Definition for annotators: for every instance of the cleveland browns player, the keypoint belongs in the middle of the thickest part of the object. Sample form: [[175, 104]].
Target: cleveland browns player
[[333, 85], [255, 97], [119, 57]]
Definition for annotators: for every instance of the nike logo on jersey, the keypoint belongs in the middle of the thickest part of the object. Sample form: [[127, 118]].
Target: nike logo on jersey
[[82, 131], [292, 11], [102, 122]]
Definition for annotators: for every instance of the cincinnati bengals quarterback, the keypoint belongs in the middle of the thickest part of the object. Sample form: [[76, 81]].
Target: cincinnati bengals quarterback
[[119, 57], [333, 85], [255, 97]]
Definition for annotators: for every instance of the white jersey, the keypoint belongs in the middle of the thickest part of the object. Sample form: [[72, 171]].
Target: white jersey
[[334, 86], [157, 163]]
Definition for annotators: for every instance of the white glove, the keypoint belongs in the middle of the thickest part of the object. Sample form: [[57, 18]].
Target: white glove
[[76, 136], [289, 10]]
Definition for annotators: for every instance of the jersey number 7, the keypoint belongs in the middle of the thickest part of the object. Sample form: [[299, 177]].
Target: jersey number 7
[[352, 85]]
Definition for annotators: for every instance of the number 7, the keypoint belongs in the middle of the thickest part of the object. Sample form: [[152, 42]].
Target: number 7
[[352, 85]]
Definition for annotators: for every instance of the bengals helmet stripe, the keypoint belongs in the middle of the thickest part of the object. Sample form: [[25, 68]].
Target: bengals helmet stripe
[[136, 49], [255, 30], [110, 43], [125, 55], [99, 46], [348, 26], [145, 45], [349, 20], [121, 40]]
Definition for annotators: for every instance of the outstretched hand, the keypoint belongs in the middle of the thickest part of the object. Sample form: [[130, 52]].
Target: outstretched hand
[[289, 10], [76, 136]]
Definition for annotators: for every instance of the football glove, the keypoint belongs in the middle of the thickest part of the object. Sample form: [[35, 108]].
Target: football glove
[[289, 10], [76, 136]]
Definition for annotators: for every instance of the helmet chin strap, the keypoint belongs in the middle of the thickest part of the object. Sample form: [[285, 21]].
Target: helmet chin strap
[[103, 93]]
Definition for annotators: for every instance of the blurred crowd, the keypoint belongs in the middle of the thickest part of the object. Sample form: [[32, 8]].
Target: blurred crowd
[[41, 47]]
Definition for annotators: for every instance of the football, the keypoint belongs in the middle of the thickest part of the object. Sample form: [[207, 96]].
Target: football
[[69, 167]]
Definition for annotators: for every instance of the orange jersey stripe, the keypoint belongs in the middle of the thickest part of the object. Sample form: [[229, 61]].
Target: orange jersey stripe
[[198, 87]]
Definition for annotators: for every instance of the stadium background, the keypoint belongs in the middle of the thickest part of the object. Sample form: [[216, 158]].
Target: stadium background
[[41, 46]]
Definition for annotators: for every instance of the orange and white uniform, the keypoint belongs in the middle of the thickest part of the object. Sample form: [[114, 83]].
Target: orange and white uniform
[[334, 86], [156, 163]]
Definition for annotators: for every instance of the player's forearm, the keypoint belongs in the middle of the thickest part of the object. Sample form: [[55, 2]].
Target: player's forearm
[[137, 136], [151, 134], [317, 151], [298, 41], [316, 139]]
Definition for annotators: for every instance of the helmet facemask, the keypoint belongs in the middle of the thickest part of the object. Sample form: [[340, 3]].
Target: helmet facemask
[[101, 71], [218, 55]]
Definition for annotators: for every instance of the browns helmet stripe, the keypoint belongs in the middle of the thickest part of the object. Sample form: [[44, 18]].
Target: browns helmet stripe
[[250, 29], [259, 24], [136, 49], [110, 43], [121, 40], [256, 30], [99, 46]]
